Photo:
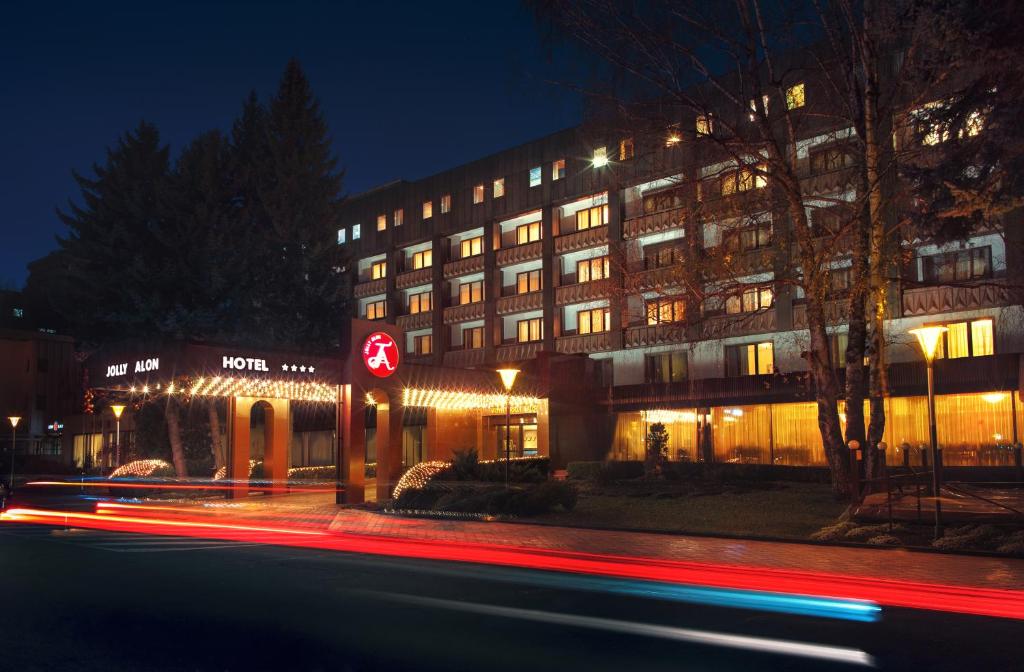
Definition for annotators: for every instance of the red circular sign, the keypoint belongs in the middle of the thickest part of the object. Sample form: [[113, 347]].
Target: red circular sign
[[380, 354]]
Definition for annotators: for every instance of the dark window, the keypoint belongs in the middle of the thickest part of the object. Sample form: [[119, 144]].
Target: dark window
[[829, 159], [958, 266], [668, 367], [667, 199], [752, 237], [662, 256]]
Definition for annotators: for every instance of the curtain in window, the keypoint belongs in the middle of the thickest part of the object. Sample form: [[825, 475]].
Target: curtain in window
[[796, 436], [981, 338], [956, 340], [742, 434]]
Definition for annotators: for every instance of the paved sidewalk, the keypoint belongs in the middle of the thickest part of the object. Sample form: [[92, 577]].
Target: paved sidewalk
[[880, 563]]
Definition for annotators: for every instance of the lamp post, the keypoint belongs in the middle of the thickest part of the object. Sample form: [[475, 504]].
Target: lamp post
[[13, 419], [118, 409], [508, 379], [928, 339]]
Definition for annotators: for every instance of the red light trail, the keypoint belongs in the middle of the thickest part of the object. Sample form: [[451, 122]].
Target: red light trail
[[888, 592]]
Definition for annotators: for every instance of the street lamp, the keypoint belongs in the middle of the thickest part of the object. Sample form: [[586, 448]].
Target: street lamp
[[928, 339], [13, 419], [118, 409], [508, 379]]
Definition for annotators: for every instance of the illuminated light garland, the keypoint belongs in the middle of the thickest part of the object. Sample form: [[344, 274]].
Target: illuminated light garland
[[419, 476], [259, 387], [668, 417], [222, 472], [140, 468], [465, 401]]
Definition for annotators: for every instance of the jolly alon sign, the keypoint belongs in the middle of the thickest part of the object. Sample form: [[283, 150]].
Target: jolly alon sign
[[380, 354], [141, 366]]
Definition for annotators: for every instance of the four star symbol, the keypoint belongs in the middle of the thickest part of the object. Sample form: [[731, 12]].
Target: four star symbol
[[295, 367]]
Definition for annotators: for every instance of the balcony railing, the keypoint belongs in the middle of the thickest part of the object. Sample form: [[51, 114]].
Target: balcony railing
[[723, 326], [463, 313], [655, 278], [645, 335], [585, 343], [464, 358], [519, 253], [473, 264], [835, 313], [654, 223], [829, 182], [371, 287], [583, 291], [421, 276], [517, 352], [518, 303], [413, 322], [948, 298], [581, 240]]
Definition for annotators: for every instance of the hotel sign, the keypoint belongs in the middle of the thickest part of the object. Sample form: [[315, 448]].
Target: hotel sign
[[380, 354], [141, 366]]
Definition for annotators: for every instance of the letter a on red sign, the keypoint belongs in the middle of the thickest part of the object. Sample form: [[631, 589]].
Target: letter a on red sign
[[380, 354]]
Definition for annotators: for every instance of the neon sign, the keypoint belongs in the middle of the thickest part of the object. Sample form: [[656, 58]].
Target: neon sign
[[380, 354]]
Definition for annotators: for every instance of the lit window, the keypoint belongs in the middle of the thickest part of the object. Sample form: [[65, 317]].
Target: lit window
[[625, 149], [673, 137], [428, 209], [376, 310], [704, 125], [446, 204], [795, 96], [471, 292], [355, 232], [663, 256], [589, 270], [342, 235], [421, 345], [600, 157], [666, 199], [753, 107], [473, 338], [593, 321], [471, 247], [527, 233], [558, 169], [535, 177], [743, 179], [528, 331], [398, 217], [379, 270], [665, 310], [18, 312], [382, 222], [592, 217], [423, 259], [528, 281], [750, 300], [973, 338], [751, 359], [499, 187], [478, 194], [420, 303]]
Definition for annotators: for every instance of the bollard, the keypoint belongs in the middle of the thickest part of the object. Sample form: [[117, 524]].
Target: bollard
[[905, 449], [854, 470]]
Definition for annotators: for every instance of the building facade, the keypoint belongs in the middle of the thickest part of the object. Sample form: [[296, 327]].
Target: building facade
[[578, 245]]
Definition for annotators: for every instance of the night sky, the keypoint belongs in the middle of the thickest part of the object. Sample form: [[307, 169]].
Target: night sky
[[408, 89]]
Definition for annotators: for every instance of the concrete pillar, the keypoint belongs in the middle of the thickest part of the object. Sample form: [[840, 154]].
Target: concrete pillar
[[550, 274], [352, 448], [389, 445], [617, 265], [238, 462]]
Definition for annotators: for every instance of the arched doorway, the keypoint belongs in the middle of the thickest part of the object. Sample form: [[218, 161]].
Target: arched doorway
[[386, 441], [260, 428]]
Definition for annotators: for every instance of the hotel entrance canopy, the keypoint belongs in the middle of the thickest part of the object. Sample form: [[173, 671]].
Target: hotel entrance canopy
[[192, 369]]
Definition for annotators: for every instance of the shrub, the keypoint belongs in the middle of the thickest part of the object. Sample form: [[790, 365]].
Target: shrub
[[464, 466], [323, 472], [657, 449], [583, 471], [465, 497], [144, 469]]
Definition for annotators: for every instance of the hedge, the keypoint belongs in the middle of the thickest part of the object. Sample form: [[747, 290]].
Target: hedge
[[610, 472]]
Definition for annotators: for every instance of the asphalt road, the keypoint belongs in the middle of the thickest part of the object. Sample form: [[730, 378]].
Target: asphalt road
[[94, 600]]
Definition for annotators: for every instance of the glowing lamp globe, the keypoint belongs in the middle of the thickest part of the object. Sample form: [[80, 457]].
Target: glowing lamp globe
[[118, 409], [928, 339], [508, 378], [14, 420]]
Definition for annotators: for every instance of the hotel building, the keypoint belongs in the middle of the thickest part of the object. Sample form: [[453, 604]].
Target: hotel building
[[576, 246]]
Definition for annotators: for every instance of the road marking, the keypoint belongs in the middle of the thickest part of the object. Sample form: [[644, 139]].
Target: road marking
[[836, 654]]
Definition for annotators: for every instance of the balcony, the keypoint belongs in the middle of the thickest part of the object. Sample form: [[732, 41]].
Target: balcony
[[417, 321], [461, 359], [583, 291], [829, 182], [473, 264], [949, 298], [517, 352], [646, 335], [586, 343], [421, 276], [581, 240], [655, 279], [519, 303], [370, 287], [835, 313], [654, 223], [519, 253], [723, 326], [464, 312]]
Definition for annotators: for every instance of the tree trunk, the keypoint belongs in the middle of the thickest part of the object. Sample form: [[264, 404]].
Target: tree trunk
[[216, 440], [826, 394], [174, 434]]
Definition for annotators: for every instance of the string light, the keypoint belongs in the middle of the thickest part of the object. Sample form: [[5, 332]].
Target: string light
[[420, 474], [668, 417], [464, 401], [140, 468]]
